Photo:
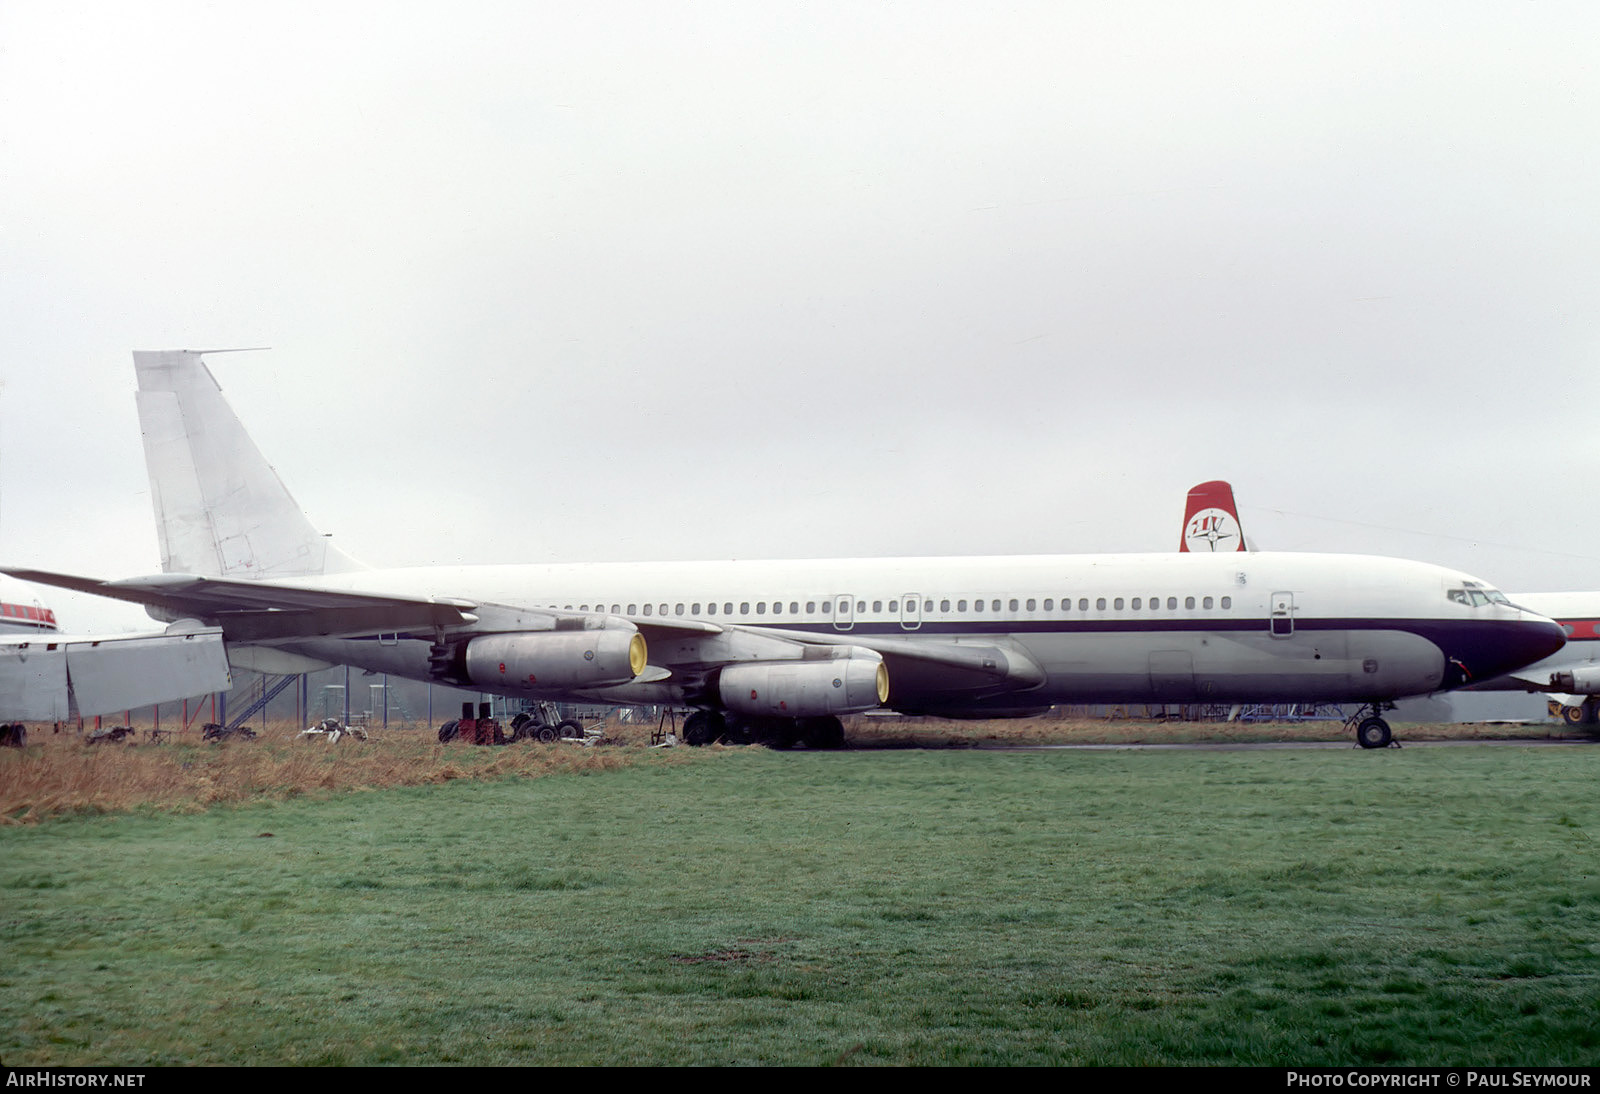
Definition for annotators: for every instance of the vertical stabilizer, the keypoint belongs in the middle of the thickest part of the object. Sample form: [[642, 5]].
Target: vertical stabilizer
[[221, 510], [1211, 520]]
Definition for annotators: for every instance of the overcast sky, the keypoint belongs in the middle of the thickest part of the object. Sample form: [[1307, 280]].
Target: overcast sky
[[612, 281]]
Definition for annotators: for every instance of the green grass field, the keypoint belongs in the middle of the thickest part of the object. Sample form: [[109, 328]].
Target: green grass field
[[1425, 906]]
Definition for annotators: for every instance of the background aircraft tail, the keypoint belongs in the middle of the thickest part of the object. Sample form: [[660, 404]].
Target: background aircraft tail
[[221, 510], [1211, 520]]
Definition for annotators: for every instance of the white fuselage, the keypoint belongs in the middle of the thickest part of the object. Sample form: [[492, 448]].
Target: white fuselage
[[1121, 628]]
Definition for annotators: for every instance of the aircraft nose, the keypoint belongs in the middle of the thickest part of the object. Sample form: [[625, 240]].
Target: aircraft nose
[[1510, 644]]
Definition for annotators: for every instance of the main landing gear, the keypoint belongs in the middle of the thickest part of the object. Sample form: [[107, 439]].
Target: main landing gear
[[1371, 730], [705, 727], [1586, 714]]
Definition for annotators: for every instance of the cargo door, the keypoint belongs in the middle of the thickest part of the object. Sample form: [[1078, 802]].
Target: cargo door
[[1172, 674]]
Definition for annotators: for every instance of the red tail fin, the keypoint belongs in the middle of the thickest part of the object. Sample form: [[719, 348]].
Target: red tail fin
[[1210, 520]]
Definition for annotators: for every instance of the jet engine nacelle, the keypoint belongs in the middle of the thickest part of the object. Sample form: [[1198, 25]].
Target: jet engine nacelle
[[1583, 680], [805, 689], [555, 660]]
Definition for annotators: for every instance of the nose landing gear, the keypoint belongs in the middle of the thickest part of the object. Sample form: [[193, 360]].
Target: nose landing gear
[[1371, 730]]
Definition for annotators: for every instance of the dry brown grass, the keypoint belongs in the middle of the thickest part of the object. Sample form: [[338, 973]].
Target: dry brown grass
[[60, 773]]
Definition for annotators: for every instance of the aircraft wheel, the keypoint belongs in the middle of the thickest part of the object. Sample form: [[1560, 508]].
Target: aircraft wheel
[[447, 732], [698, 729], [1585, 714], [823, 733], [569, 728], [546, 733], [834, 738], [1374, 733], [782, 734]]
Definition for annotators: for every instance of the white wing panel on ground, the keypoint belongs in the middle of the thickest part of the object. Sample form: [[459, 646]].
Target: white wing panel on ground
[[33, 682], [121, 673], [71, 677]]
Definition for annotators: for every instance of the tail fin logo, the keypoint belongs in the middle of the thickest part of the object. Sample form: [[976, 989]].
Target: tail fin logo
[[1211, 530], [1211, 520]]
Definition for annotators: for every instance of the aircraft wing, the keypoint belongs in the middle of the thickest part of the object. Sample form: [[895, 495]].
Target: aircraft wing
[[657, 628], [261, 611], [264, 611], [1538, 680]]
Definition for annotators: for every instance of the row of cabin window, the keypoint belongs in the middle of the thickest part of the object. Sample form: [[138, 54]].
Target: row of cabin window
[[1117, 604]]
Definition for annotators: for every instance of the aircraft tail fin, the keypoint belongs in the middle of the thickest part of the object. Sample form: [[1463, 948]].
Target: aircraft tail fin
[[1211, 520], [221, 510]]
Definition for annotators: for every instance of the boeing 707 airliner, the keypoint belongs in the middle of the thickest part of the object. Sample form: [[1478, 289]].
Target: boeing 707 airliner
[[777, 651]]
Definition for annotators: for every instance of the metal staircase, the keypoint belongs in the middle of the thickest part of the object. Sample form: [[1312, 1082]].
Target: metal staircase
[[267, 695]]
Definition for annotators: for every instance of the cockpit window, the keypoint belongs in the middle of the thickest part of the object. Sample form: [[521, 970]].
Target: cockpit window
[[1477, 597]]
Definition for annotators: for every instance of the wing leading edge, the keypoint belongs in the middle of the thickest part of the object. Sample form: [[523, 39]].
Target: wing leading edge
[[256, 611]]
